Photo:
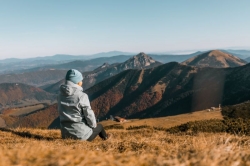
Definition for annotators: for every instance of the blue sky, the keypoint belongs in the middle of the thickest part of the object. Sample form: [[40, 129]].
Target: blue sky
[[30, 28]]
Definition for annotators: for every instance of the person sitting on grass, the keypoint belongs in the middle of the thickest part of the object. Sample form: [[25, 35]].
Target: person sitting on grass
[[77, 119]]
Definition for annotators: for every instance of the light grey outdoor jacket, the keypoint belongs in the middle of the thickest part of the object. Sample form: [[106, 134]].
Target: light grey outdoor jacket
[[76, 116]]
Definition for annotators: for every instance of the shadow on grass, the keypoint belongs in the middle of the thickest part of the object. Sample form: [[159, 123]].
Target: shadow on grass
[[27, 134]]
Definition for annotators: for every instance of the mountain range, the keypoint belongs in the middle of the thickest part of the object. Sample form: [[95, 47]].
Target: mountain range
[[64, 62], [141, 87], [84, 66], [65, 57], [214, 58], [169, 89], [140, 61], [38, 63]]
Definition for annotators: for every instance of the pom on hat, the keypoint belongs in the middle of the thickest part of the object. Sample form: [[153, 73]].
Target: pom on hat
[[74, 76]]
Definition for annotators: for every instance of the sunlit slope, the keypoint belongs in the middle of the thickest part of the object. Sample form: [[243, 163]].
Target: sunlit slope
[[168, 121], [215, 58]]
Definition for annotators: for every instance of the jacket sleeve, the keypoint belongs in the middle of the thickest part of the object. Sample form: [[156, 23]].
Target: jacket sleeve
[[87, 111]]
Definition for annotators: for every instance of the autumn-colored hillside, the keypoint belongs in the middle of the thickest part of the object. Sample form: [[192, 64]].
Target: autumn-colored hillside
[[40, 119], [16, 94], [169, 89]]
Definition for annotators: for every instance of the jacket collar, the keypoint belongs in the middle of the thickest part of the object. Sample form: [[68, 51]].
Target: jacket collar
[[69, 83]]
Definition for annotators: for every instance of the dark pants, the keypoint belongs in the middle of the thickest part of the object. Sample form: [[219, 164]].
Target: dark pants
[[99, 130]]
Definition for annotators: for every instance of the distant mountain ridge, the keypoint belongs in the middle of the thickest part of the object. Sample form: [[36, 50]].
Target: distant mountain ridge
[[38, 78], [32, 64], [83, 66], [215, 58], [243, 54], [140, 61], [88, 63], [166, 58], [60, 57]]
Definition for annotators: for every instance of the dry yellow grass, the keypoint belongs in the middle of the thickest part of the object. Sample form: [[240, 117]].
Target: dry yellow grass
[[169, 121], [29, 147]]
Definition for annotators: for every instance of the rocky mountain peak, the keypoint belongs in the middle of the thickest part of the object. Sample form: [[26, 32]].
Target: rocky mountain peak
[[142, 54], [140, 60]]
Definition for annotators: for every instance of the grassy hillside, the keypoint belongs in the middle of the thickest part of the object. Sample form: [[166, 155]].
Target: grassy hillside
[[139, 142], [38, 147], [168, 121], [46, 117]]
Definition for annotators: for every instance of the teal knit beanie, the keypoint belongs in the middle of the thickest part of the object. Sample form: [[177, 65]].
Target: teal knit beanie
[[74, 76]]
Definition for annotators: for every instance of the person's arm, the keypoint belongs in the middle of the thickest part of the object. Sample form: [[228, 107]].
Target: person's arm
[[87, 111]]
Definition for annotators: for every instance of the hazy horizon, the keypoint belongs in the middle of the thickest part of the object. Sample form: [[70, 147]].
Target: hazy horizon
[[176, 52], [45, 28]]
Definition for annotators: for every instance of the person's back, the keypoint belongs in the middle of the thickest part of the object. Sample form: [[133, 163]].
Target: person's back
[[71, 117], [77, 119]]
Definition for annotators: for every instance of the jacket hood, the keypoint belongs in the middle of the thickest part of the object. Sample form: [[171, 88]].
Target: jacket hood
[[69, 88]]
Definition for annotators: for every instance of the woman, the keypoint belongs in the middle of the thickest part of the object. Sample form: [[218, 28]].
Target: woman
[[77, 119]]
